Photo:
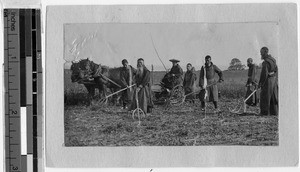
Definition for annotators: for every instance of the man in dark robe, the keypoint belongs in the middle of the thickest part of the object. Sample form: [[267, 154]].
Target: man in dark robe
[[127, 75], [268, 84], [176, 72], [189, 82], [142, 88], [208, 84], [251, 84]]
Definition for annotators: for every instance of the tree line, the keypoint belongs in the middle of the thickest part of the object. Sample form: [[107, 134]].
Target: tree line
[[236, 64]]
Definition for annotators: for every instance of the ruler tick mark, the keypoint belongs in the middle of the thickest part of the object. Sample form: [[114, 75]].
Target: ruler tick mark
[[14, 117], [14, 144], [10, 158]]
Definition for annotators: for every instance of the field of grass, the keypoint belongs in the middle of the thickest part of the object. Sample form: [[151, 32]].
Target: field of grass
[[186, 125]]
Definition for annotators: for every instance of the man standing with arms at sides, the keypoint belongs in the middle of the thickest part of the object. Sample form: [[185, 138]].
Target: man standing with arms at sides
[[268, 84], [142, 88], [251, 84], [127, 75], [189, 82], [207, 83]]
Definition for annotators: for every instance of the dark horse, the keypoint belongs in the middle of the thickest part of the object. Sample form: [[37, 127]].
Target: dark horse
[[95, 76]]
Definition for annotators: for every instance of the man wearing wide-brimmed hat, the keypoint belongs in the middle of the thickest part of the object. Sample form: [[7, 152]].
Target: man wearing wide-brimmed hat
[[176, 72]]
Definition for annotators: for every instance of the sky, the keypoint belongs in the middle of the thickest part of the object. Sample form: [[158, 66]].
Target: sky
[[108, 44]]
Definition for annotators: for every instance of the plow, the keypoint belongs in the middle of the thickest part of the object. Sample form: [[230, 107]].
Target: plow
[[241, 107], [179, 100]]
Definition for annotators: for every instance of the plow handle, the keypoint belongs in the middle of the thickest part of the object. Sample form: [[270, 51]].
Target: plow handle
[[250, 95], [105, 77], [119, 91]]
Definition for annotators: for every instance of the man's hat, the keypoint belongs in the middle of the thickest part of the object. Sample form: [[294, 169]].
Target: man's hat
[[174, 60]]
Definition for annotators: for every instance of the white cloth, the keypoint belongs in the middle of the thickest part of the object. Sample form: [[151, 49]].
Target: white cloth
[[205, 81]]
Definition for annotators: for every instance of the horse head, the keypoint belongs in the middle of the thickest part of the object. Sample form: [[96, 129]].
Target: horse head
[[81, 70]]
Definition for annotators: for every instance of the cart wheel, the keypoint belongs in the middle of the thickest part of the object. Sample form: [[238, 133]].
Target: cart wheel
[[177, 96]]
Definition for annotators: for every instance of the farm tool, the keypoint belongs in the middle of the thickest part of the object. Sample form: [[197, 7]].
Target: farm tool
[[138, 111], [104, 100], [182, 99], [205, 98], [176, 96], [242, 105]]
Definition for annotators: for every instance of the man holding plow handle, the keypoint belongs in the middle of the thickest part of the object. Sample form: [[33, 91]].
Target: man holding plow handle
[[207, 83]]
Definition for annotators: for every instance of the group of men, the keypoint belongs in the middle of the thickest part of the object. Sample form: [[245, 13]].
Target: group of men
[[142, 89], [268, 98], [267, 85]]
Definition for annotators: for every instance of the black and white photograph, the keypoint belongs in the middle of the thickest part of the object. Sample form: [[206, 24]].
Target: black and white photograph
[[171, 84], [182, 85]]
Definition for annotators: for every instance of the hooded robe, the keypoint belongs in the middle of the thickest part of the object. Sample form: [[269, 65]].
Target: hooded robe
[[269, 87]]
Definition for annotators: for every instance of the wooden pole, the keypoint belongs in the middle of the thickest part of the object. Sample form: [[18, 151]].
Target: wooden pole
[[152, 74]]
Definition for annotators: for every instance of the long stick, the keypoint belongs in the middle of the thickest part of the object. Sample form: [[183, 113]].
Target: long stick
[[152, 76], [110, 80], [119, 91], [157, 52], [250, 95]]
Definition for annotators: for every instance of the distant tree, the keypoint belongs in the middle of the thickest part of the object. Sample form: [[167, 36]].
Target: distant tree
[[236, 64]]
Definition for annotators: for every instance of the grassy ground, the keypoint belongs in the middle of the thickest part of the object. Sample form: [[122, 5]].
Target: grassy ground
[[186, 125]]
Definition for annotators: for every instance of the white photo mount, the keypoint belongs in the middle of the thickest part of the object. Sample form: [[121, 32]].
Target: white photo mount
[[286, 154]]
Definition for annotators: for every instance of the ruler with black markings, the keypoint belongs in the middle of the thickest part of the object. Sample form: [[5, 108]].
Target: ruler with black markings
[[23, 90]]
